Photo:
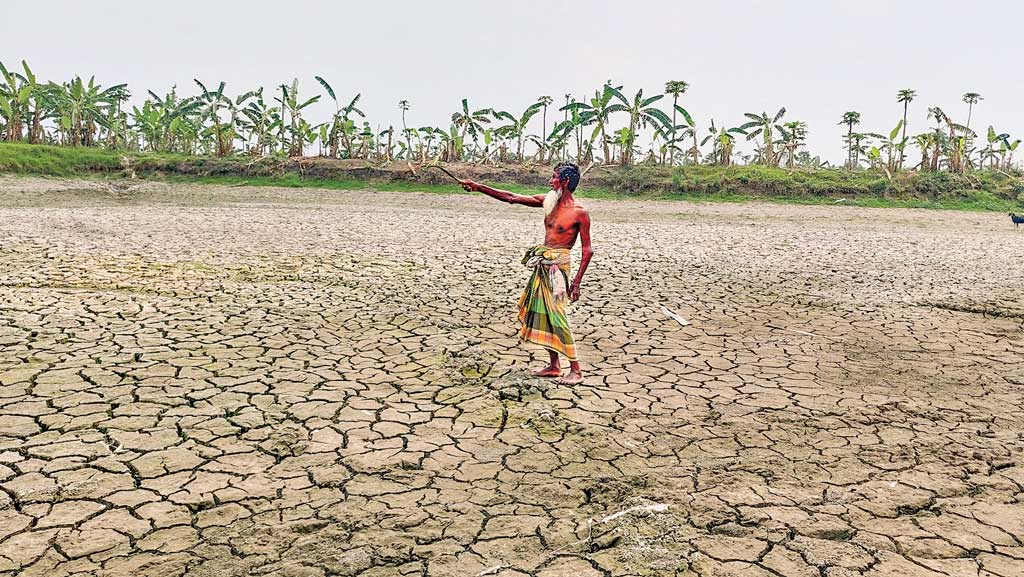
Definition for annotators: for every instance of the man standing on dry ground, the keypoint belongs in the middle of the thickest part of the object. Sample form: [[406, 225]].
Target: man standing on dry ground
[[542, 305]]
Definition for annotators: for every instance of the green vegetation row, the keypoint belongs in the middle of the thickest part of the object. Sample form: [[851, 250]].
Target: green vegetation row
[[980, 190], [273, 122]]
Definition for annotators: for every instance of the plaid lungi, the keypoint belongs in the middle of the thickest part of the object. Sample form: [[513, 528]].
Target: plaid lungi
[[542, 305]]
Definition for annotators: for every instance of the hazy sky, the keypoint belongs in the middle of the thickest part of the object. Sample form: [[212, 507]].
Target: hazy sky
[[818, 58]]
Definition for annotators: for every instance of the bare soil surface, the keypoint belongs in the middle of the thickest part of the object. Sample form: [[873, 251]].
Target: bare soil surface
[[218, 381]]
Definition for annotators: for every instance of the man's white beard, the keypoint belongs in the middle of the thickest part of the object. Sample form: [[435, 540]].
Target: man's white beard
[[551, 201]]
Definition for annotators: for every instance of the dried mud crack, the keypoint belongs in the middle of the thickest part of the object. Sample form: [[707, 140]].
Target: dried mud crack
[[234, 381]]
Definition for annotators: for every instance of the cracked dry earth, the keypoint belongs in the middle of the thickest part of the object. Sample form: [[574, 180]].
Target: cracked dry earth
[[218, 381]]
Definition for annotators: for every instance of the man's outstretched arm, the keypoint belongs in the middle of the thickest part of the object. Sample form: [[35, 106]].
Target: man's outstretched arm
[[503, 195], [588, 253]]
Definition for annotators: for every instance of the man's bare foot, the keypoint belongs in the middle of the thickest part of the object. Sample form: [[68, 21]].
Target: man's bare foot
[[548, 372], [573, 378]]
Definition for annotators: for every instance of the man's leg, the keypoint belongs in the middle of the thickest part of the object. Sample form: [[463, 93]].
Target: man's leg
[[575, 375], [552, 370]]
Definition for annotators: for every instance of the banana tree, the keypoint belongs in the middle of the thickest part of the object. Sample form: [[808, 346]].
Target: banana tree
[[290, 101], [723, 142], [988, 152], [560, 134], [793, 134], [924, 142], [893, 147], [220, 133], [82, 107], [179, 122], [471, 123], [956, 142], [259, 121], [33, 91], [1007, 147], [641, 113], [322, 138], [597, 112], [427, 135], [622, 138], [15, 93], [341, 127], [764, 125], [515, 127], [860, 142]]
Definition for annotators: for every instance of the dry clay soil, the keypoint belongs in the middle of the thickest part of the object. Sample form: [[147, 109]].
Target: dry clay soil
[[220, 381]]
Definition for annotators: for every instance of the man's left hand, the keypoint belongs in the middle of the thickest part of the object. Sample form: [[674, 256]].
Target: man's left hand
[[574, 293]]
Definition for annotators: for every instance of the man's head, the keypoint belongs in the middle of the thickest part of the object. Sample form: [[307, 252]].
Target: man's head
[[566, 176]]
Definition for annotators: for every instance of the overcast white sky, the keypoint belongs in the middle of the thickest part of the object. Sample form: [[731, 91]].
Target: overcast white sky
[[818, 58]]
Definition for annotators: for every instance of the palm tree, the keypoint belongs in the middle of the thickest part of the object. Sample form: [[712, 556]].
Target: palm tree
[[640, 114], [850, 119], [403, 105], [675, 88], [544, 101], [906, 96], [971, 98]]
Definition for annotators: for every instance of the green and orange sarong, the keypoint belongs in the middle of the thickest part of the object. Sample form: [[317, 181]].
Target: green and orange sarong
[[542, 305]]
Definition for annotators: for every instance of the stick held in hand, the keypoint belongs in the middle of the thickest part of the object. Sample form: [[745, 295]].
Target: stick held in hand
[[445, 170]]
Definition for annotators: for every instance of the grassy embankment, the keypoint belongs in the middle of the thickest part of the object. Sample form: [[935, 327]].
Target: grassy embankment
[[982, 190]]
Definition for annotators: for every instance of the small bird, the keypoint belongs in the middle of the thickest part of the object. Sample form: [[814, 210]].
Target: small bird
[[1017, 220]]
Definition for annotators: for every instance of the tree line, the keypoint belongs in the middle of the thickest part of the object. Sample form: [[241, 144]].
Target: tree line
[[264, 122]]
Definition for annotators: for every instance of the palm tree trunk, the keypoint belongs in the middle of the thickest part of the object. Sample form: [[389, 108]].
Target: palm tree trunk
[[672, 153], [544, 132], [903, 138], [849, 148], [604, 145]]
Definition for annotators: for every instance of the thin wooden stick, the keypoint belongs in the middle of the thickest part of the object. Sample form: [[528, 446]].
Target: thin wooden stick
[[444, 170]]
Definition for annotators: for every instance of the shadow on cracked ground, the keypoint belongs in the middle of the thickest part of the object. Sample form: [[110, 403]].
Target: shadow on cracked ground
[[232, 381]]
